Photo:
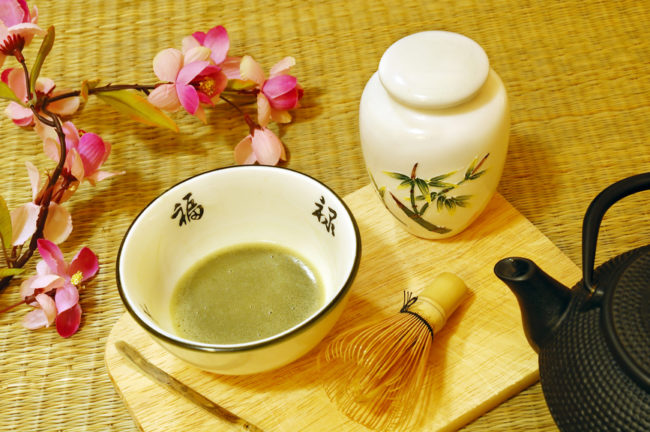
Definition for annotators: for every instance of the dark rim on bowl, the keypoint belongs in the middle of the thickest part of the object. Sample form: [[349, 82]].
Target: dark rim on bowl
[[248, 345]]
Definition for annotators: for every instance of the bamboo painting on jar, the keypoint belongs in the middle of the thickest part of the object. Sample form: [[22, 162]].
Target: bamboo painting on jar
[[434, 126]]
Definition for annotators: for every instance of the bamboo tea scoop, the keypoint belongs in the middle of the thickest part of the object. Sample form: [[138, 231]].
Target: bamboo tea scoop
[[161, 377], [376, 373]]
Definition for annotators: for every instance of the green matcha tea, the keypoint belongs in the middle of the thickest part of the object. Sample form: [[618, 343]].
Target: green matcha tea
[[245, 293]]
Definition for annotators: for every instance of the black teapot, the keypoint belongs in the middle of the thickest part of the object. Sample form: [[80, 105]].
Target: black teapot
[[593, 340]]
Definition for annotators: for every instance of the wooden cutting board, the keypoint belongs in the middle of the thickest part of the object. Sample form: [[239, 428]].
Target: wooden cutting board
[[479, 359]]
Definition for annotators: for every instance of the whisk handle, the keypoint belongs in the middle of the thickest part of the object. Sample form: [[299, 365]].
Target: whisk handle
[[440, 299]]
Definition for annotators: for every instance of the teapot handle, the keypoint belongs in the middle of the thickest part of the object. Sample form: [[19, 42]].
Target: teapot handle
[[594, 216]]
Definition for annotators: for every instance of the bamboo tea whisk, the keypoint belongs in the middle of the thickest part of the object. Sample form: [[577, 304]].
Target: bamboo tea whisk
[[376, 373]]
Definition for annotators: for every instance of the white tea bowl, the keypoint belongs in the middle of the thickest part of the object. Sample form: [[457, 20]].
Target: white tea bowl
[[223, 208]]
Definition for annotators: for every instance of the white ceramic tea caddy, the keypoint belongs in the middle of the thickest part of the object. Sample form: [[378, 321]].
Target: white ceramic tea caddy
[[434, 126]]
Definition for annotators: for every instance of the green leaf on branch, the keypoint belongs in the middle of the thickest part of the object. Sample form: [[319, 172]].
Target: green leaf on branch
[[5, 224], [137, 107], [4, 272], [7, 93], [46, 47]]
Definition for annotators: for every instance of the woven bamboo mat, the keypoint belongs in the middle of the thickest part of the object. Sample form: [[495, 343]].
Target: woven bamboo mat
[[578, 77]]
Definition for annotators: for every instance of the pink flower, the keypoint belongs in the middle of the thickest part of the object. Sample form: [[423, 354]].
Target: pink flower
[[56, 278], [261, 146], [216, 40], [58, 224], [16, 20], [190, 81], [277, 94], [85, 153], [230, 67], [23, 116]]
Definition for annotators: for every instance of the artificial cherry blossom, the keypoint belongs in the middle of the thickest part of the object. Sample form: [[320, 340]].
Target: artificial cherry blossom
[[187, 83], [86, 152], [17, 26], [261, 146], [278, 94], [23, 115], [58, 224], [54, 274], [216, 40]]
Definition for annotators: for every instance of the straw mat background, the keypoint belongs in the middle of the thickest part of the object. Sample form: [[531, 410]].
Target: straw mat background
[[577, 74]]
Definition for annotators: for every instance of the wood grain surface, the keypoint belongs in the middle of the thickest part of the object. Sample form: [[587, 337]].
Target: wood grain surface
[[479, 359]]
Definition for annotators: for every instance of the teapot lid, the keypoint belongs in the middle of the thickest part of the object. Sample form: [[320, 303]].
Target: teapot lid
[[625, 317], [434, 69]]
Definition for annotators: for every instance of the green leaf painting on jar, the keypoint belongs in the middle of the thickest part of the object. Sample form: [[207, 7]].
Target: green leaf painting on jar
[[437, 192]]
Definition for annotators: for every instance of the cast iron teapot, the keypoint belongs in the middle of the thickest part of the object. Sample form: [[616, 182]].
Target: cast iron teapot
[[593, 340]]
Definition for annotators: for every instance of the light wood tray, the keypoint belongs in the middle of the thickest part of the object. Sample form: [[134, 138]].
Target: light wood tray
[[479, 359]]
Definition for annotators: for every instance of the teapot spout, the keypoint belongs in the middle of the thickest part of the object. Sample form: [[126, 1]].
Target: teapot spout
[[542, 299]]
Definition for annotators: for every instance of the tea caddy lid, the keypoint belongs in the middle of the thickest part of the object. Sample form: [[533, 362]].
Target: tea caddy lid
[[434, 69]]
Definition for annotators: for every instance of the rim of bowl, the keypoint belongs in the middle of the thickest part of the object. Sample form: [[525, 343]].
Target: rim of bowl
[[299, 328]]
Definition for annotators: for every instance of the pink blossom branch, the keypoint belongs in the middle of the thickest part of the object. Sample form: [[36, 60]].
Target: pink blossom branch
[[47, 197], [107, 88], [59, 131], [143, 88], [55, 122]]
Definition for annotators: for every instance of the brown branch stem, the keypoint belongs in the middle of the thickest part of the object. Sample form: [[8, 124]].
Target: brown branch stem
[[44, 120], [27, 84], [7, 309], [106, 88], [45, 202], [232, 104]]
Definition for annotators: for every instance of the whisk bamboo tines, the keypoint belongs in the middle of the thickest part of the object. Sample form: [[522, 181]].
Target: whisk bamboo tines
[[376, 373]]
